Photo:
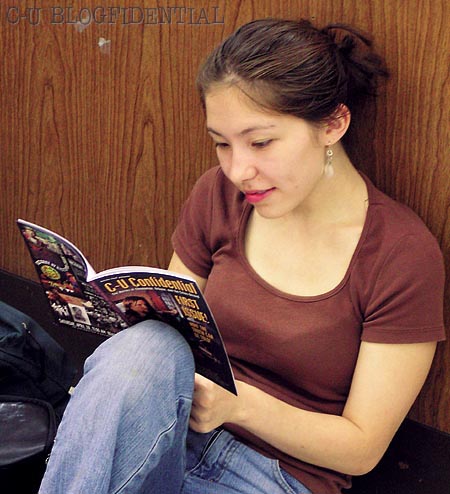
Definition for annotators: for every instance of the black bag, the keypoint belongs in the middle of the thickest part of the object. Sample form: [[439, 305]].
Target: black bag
[[28, 428], [35, 378], [32, 363]]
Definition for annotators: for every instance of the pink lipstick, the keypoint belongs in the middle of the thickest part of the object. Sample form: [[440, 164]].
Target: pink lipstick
[[255, 196]]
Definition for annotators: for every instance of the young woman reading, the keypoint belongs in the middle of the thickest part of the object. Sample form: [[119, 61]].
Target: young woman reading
[[328, 294]]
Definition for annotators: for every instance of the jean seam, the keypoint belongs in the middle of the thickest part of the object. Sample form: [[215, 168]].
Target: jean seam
[[162, 433], [233, 445], [282, 480], [204, 453], [223, 459]]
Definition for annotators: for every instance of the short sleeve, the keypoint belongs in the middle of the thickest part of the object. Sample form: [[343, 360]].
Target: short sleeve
[[191, 238], [406, 301]]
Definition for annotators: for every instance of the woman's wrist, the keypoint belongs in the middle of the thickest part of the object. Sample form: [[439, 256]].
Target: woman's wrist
[[247, 401]]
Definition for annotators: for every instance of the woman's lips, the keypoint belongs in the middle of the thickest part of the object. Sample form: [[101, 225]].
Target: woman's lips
[[254, 196]]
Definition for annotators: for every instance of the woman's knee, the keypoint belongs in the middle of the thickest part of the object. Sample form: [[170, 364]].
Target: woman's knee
[[147, 367], [147, 347]]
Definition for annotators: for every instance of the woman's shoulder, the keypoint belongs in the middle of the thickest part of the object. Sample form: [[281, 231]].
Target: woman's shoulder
[[392, 220], [399, 277], [397, 245]]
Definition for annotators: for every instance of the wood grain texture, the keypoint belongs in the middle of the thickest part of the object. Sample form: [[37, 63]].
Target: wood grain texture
[[103, 144]]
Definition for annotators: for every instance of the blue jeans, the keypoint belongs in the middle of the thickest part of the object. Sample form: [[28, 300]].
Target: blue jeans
[[125, 429]]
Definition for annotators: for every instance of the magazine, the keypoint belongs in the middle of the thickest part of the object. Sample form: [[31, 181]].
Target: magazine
[[112, 300]]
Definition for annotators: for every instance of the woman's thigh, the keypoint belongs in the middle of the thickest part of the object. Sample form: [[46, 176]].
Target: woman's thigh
[[220, 464]]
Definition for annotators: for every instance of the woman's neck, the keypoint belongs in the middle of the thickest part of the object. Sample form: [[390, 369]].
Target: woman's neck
[[340, 198]]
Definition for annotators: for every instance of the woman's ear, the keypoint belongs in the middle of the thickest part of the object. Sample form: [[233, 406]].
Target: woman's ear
[[336, 126]]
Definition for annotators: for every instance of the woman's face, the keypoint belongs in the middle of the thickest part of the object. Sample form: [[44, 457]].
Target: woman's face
[[276, 160], [140, 307]]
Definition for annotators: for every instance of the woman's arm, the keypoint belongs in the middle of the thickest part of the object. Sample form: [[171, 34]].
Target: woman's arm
[[386, 382]]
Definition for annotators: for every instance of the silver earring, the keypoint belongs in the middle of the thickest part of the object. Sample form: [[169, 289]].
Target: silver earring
[[328, 169]]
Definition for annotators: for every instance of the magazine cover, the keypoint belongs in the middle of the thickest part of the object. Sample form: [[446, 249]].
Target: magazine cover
[[62, 272], [141, 293], [108, 302]]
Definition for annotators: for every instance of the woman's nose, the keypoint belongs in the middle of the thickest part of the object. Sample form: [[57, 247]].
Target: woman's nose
[[242, 166]]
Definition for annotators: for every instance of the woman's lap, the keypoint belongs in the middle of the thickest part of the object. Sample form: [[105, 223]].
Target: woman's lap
[[124, 429], [219, 463]]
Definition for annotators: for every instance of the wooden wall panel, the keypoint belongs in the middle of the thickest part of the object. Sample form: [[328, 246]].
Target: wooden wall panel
[[104, 143]]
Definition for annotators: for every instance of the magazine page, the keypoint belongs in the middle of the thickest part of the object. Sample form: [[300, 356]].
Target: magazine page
[[142, 293], [62, 270]]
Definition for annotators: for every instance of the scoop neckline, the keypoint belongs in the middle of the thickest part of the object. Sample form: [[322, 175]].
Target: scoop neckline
[[243, 222]]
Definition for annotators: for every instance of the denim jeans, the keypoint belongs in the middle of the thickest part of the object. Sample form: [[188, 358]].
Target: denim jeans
[[125, 429]]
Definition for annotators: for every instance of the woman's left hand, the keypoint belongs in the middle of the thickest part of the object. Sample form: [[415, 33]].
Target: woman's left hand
[[212, 406]]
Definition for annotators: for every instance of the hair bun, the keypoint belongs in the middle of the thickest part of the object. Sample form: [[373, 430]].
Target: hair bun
[[347, 45], [354, 48], [348, 42]]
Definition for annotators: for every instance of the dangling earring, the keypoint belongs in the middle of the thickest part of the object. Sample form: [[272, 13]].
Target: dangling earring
[[328, 169]]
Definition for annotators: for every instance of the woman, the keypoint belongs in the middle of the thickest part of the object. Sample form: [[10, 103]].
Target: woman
[[328, 294], [137, 309]]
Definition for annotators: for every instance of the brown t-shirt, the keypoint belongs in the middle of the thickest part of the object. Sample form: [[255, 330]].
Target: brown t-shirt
[[303, 350]]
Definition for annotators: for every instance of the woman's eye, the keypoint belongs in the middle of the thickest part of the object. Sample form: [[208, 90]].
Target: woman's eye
[[220, 144], [261, 144]]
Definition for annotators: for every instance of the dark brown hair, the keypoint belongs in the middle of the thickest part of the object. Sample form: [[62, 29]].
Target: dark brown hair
[[292, 67]]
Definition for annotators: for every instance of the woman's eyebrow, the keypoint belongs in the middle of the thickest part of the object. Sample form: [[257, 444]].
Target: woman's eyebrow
[[248, 130]]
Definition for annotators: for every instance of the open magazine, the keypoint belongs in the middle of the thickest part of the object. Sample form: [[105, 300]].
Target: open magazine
[[112, 300]]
